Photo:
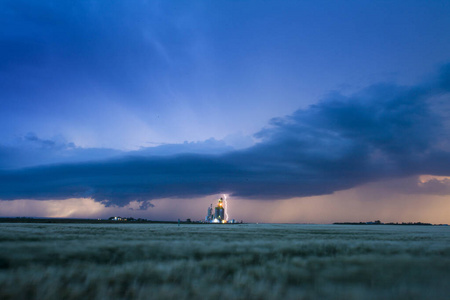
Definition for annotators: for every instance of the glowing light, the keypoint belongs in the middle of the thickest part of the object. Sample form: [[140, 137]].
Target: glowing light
[[224, 196], [425, 178]]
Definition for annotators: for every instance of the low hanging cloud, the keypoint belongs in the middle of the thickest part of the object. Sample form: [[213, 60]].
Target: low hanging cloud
[[382, 132]]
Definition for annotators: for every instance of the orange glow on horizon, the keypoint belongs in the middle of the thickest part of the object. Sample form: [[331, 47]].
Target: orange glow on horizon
[[365, 203], [425, 178]]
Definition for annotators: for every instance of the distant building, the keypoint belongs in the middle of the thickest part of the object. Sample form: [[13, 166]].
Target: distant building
[[117, 219], [209, 216], [219, 213]]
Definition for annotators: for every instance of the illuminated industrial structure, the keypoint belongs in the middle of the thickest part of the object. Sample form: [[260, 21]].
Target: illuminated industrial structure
[[219, 213]]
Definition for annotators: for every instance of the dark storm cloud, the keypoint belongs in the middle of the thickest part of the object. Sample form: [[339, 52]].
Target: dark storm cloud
[[382, 132]]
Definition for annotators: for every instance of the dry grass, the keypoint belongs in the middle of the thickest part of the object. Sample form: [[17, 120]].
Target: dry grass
[[126, 261]]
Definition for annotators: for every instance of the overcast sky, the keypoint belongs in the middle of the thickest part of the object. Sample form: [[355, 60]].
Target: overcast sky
[[155, 108]]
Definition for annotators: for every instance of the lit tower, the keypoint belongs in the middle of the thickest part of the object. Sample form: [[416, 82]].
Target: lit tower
[[219, 211]]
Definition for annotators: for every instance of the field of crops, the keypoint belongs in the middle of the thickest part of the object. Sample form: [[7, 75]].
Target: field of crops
[[245, 261]]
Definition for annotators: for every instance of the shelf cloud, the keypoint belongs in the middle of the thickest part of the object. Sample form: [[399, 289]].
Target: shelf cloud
[[381, 132]]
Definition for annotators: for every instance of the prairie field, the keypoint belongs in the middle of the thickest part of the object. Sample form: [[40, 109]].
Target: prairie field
[[243, 261]]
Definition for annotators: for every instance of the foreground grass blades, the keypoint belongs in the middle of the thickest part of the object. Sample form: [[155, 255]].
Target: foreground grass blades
[[248, 261]]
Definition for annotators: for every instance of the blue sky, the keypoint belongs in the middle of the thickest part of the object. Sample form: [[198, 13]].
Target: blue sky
[[262, 100]]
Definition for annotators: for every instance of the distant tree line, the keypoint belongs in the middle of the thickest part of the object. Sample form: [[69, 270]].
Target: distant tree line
[[378, 222]]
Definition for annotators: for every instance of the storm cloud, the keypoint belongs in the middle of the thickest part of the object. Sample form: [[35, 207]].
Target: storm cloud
[[384, 131]]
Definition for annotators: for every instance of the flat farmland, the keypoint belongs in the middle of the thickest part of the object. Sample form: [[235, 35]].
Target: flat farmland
[[243, 261]]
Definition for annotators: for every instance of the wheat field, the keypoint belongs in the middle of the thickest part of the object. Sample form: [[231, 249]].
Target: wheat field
[[244, 261]]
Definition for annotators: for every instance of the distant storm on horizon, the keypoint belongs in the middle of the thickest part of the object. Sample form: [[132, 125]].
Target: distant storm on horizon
[[313, 112]]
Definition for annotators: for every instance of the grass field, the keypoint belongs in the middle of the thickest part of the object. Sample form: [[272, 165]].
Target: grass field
[[245, 261]]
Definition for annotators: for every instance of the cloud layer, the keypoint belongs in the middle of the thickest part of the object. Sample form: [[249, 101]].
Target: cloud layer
[[119, 75], [384, 131]]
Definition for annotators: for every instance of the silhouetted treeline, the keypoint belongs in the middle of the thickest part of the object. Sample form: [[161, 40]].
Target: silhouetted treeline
[[78, 221], [377, 222]]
